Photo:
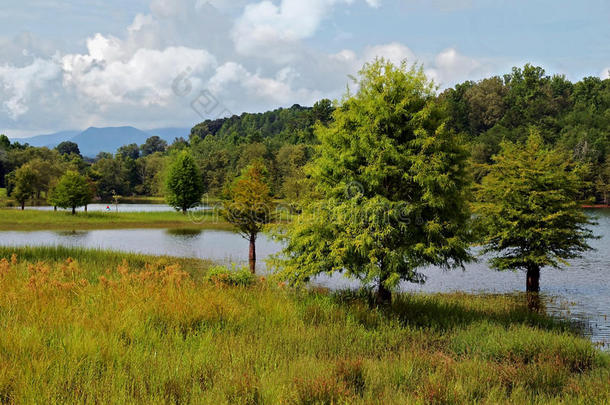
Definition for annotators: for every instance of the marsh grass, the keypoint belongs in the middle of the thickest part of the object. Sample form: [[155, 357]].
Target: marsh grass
[[82, 326]]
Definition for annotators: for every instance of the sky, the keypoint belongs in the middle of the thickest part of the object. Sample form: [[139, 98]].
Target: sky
[[172, 63]]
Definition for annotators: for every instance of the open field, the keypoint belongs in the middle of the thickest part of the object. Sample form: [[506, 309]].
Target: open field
[[153, 330], [13, 220]]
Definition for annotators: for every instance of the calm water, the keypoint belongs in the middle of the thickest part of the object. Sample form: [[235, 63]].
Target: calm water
[[581, 292]]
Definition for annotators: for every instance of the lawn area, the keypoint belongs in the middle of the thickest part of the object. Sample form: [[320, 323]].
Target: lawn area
[[12, 219], [90, 326]]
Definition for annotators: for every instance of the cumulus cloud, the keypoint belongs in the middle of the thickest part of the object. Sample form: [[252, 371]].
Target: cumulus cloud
[[110, 74], [450, 67], [265, 26], [605, 74], [21, 85]]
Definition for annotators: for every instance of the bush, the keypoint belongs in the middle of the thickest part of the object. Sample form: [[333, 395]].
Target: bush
[[237, 277]]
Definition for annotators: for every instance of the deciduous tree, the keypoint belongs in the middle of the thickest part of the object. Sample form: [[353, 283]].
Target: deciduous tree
[[24, 185], [529, 211], [393, 187], [250, 206], [72, 191], [184, 183]]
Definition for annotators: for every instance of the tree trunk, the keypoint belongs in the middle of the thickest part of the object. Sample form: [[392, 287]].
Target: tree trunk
[[73, 210], [252, 255], [23, 206], [533, 288], [384, 296], [55, 208], [533, 279], [183, 211], [85, 208]]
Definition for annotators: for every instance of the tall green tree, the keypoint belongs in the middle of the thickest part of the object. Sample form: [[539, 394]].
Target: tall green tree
[[184, 183], [152, 145], [72, 191], [110, 176], [24, 186], [393, 186], [529, 212], [68, 148], [250, 206]]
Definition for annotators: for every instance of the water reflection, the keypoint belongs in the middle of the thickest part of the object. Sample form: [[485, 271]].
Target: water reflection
[[184, 233]]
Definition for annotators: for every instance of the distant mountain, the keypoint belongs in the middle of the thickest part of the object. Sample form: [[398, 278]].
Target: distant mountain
[[93, 140], [50, 140]]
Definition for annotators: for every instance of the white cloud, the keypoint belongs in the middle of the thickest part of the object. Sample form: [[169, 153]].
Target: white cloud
[[450, 67], [394, 52], [107, 74], [20, 85], [232, 78], [605, 74], [265, 26]]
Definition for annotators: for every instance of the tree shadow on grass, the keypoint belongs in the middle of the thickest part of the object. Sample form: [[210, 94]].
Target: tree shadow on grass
[[448, 311]]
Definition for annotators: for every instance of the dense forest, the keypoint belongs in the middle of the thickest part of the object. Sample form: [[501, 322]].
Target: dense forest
[[573, 117]]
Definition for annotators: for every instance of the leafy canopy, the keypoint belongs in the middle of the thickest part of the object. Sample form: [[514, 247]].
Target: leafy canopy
[[250, 205], [392, 183], [184, 183], [24, 184], [71, 191], [528, 207]]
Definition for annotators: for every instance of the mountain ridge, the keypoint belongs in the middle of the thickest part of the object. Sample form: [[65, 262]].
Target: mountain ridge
[[94, 140]]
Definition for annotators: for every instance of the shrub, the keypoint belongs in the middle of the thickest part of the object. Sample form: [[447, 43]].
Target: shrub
[[241, 277]]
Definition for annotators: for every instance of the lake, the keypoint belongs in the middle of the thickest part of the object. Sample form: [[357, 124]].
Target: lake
[[581, 292]]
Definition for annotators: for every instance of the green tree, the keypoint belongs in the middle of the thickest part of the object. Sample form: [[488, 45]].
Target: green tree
[[72, 191], [152, 145], [24, 185], [184, 183], [250, 206], [392, 183], [529, 212], [5, 143], [129, 151], [109, 175], [322, 111], [68, 148]]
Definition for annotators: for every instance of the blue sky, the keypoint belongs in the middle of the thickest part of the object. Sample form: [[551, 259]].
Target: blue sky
[[72, 64]]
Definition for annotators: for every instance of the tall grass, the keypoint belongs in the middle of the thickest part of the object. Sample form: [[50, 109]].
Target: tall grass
[[83, 326]]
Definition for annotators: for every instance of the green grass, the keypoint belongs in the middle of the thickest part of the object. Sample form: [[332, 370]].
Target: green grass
[[13, 219], [112, 328]]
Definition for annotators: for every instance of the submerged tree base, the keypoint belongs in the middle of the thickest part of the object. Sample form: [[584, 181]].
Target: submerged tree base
[[153, 330]]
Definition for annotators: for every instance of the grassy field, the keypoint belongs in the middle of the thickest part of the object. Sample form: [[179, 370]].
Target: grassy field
[[11, 219], [88, 326]]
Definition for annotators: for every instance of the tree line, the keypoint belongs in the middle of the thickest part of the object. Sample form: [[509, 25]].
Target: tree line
[[572, 117]]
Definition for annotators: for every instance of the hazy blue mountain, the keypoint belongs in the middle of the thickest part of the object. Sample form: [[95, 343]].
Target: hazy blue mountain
[[95, 140], [50, 140]]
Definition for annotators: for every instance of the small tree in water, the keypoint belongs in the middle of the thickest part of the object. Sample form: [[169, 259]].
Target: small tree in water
[[184, 183], [250, 206], [392, 184], [72, 191], [529, 212]]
